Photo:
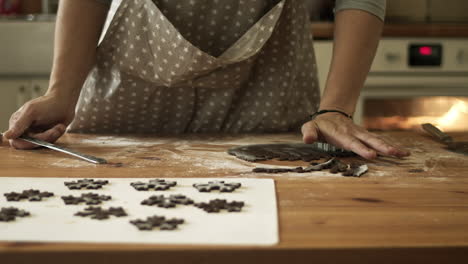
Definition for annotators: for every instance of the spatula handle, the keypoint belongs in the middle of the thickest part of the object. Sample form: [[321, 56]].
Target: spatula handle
[[435, 132]]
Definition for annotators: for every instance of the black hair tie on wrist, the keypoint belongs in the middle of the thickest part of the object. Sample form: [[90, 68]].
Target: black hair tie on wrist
[[314, 115]]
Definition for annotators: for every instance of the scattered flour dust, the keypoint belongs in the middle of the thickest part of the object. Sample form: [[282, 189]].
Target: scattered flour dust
[[71, 162], [213, 160], [171, 150], [121, 141], [210, 156], [113, 141], [379, 173]]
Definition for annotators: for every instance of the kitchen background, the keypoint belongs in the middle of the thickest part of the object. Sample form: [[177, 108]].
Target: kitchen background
[[420, 73]]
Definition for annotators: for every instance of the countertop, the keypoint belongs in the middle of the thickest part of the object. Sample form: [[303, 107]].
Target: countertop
[[28, 18], [402, 211], [320, 30], [324, 30]]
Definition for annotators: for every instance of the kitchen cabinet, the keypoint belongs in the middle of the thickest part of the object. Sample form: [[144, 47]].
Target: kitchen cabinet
[[324, 30], [25, 61], [26, 48], [15, 93]]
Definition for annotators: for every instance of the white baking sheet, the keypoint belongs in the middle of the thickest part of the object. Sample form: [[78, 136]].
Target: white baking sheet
[[53, 221]]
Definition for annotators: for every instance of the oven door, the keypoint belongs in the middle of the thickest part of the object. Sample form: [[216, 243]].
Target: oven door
[[406, 100]]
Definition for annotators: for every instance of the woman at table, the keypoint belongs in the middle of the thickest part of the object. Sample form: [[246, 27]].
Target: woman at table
[[204, 66]]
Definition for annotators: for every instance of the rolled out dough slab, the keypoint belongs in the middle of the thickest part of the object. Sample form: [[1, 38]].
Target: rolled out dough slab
[[292, 151], [52, 221]]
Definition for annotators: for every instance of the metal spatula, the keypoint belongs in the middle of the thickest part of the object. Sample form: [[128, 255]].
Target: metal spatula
[[459, 147], [42, 143]]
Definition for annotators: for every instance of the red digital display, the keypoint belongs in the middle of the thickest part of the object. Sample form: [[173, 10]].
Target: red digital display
[[425, 54], [425, 51]]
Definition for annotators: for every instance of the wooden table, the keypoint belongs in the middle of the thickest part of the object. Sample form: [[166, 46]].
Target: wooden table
[[403, 210]]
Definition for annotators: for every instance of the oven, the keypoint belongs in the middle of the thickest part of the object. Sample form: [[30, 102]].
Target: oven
[[415, 81], [412, 81]]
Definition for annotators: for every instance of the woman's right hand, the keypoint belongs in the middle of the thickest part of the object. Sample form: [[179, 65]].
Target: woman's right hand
[[77, 31], [44, 118]]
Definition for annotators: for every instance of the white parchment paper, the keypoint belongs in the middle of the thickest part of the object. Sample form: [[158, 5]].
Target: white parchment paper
[[53, 221]]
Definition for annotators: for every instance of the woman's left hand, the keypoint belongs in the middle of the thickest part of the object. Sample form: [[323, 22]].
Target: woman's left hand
[[340, 131]]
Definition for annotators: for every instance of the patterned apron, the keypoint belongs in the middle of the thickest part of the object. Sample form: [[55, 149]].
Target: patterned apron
[[233, 66]]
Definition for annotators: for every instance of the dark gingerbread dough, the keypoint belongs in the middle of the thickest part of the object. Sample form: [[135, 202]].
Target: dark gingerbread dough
[[296, 151]]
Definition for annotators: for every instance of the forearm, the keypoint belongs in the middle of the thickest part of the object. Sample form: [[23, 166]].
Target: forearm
[[78, 27], [357, 34]]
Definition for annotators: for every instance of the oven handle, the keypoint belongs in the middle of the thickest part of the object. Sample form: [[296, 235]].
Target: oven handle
[[410, 81]]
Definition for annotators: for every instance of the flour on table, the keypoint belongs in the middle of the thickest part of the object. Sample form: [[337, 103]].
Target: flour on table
[[112, 141]]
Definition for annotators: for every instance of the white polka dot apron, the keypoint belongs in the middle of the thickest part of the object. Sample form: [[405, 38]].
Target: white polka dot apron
[[232, 66]]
